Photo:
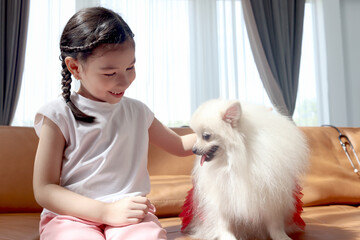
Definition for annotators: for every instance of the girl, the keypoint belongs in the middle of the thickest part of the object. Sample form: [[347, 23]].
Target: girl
[[90, 172]]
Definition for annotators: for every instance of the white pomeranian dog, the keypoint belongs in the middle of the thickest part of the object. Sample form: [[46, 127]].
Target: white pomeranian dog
[[247, 177]]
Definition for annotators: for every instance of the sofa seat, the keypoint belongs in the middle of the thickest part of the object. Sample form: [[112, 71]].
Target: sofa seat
[[334, 222], [331, 222], [20, 226]]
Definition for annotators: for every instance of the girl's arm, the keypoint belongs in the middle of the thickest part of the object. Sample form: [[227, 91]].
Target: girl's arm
[[168, 140], [55, 198]]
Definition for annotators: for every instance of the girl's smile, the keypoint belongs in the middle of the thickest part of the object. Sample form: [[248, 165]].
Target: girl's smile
[[117, 94]]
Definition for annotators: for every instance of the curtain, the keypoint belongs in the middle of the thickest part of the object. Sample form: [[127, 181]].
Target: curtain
[[14, 19], [238, 76], [275, 32], [204, 52]]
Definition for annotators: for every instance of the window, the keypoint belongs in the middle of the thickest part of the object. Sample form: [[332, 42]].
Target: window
[[176, 71], [41, 77], [306, 110]]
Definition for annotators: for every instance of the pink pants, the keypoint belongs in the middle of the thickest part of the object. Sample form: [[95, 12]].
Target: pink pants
[[59, 227]]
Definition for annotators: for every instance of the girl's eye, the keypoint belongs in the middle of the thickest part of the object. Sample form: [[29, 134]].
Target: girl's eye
[[130, 68], [110, 74]]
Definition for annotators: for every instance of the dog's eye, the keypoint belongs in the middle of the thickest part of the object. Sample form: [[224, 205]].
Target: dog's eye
[[206, 136]]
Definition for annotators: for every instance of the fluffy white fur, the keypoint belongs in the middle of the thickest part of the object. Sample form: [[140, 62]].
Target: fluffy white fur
[[246, 190]]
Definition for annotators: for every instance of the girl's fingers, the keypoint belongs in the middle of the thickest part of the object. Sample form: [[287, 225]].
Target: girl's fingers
[[140, 199], [144, 201], [152, 208], [139, 214], [144, 204]]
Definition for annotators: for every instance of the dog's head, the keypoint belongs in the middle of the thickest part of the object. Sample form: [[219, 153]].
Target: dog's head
[[214, 122]]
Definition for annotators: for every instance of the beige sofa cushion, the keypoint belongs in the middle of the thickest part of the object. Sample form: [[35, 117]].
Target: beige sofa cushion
[[168, 193], [17, 153], [331, 179]]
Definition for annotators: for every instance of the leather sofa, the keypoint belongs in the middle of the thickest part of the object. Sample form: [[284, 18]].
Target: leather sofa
[[331, 188]]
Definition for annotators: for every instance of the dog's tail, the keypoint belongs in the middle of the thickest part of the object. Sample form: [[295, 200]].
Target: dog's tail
[[187, 213]]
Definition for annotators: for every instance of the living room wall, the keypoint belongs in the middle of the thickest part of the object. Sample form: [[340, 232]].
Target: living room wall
[[338, 26]]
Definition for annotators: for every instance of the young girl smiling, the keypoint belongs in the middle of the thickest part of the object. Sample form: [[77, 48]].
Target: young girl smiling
[[90, 172]]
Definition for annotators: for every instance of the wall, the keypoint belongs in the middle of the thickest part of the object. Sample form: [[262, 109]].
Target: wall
[[350, 13], [338, 28]]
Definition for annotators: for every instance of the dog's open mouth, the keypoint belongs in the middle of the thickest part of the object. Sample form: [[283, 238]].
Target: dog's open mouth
[[209, 155]]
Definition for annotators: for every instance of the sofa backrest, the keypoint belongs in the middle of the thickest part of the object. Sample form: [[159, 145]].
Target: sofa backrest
[[17, 153], [163, 163], [331, 178]]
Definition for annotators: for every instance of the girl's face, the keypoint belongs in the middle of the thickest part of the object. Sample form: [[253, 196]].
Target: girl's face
[[107, 73]]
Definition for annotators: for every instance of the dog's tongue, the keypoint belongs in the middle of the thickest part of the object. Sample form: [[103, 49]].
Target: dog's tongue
[[203, 157]]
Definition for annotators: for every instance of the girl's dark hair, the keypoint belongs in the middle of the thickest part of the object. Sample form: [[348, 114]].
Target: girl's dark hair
[[84, 32]]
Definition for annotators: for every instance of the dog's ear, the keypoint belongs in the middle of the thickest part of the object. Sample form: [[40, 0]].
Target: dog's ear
[[232, 114]]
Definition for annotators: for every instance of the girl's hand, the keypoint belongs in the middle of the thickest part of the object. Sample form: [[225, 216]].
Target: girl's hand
[[127, 211]]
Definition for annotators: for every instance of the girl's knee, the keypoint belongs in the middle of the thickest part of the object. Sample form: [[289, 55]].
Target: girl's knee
[[159, 235], [62, 227], [154, 228], [71, 234], [149, 229], [154, 231], [132, 234]]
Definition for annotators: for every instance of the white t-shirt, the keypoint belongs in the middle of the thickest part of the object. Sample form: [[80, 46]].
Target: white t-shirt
[[105, 160]]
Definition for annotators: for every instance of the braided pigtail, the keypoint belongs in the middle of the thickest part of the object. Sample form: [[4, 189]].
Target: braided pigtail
[[66, 87]]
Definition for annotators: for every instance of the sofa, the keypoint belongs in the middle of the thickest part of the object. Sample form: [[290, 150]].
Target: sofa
[[331, 189]]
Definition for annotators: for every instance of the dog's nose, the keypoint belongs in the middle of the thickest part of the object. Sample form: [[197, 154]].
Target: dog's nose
[[194, 150]]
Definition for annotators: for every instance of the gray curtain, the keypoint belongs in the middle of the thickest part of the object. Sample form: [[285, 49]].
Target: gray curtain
[[275, 30], [13, 21]]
